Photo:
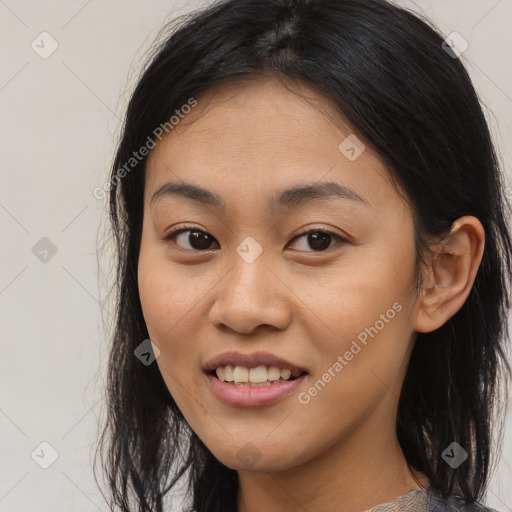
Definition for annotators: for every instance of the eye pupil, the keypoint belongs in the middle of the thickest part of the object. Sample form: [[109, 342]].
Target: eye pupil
[[199, 240], [319, 241]]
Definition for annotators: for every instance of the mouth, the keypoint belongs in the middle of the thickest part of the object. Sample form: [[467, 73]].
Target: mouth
[[257, 376], [239, 392], [253, 379]]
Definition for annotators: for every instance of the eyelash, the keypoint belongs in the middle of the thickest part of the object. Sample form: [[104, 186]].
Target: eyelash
[[302, 232]]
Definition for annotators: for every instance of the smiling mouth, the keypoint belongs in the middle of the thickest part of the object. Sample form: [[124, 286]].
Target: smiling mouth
[[254, 377]]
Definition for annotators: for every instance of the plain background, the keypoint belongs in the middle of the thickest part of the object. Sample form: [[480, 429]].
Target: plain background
[[60, 121]]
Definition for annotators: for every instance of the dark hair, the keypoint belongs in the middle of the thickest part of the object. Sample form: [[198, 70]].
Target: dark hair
[[387, 74]]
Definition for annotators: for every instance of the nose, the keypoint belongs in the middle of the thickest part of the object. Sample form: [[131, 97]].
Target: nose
[[251, 295]]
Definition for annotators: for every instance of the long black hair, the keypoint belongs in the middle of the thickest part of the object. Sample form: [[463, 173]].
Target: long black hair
[[388, 73]]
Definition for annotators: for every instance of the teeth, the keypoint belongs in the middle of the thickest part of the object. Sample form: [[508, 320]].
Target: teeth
[[258, 375], [285, 374], [228, 373], [240, 374], [274, 373]]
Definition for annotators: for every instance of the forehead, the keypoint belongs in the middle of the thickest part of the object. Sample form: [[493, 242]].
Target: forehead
[[257, 134]]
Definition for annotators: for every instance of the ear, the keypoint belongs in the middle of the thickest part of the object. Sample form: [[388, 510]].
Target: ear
[[450, 276]]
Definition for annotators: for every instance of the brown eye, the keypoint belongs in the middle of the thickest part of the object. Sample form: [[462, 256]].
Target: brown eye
[[191, 239], [318, 240]]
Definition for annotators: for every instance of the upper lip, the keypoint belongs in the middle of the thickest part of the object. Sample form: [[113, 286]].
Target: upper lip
[[251, 361]]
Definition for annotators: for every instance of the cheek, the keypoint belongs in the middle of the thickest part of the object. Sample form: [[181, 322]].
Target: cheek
[[167, 314], [165, 293], [156, 299], [364, 312], [171, 303], [354, 295]]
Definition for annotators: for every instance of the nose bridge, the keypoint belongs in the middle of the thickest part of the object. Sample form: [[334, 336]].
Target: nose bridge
[[249, 274], [248, 295]]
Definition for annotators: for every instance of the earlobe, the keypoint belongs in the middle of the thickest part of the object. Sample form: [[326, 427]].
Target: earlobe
[[450, 276]]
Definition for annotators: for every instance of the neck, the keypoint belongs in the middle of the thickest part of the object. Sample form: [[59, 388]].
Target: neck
[[365, 469]]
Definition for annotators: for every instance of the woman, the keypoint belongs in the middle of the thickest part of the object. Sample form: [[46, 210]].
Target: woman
[[314, 263]]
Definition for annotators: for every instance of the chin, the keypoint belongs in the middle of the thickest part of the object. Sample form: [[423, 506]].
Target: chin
[[249, 458]]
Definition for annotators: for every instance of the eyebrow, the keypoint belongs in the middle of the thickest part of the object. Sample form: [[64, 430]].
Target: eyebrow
[[290, 197]]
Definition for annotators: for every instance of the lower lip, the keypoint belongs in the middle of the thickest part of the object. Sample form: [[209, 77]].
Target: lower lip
[[250, 396]]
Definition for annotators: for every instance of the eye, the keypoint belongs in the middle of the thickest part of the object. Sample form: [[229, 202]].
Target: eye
[[318, 239], [190, 238]]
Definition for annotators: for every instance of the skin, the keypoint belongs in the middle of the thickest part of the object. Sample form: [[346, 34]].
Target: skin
[[248, 141]]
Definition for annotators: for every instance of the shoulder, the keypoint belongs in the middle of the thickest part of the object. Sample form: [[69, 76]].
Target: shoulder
[[454, 503]]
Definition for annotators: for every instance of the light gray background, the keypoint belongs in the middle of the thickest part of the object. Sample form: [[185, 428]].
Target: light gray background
[[60, 121]]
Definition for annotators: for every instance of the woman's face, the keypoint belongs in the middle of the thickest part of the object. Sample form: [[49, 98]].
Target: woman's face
[[338, 304]]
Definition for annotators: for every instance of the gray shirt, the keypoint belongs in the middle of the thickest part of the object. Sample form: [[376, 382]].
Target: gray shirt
[[430, 500]]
